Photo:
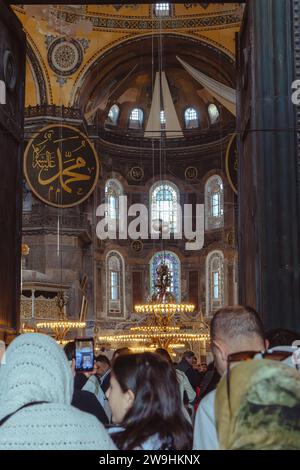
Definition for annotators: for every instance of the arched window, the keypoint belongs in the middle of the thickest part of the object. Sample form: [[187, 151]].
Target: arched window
[[214, 114], [214, 281], [191, 118], [164, 201], [173, 262], [162, 9], [136, 118], [115, 284], [114, 113], [113, 189], [214, 203]]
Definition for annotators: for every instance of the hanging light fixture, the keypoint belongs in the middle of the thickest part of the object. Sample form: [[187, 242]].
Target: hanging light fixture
[[161, 313], [163, 305]]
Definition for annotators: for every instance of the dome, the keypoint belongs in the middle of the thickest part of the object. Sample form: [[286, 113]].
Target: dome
[[120, 83]]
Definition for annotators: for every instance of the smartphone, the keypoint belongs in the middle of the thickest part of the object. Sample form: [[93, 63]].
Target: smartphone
[[84, 354]]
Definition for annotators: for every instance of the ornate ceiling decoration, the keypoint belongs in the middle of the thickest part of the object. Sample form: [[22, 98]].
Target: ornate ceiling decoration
[[75, 20]]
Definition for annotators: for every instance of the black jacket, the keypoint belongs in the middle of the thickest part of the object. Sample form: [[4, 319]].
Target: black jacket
[[88, 402], [193, 375], [105, 383]]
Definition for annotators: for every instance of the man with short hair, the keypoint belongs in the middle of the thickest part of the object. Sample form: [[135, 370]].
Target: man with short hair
[[103, 369], [186, 366], [232, 329], [84, 397]]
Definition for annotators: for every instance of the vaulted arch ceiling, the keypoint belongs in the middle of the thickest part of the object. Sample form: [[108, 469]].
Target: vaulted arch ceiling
[[125, 75]]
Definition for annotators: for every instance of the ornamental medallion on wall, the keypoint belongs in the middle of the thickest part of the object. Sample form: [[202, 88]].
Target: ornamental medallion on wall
[[61, 166]]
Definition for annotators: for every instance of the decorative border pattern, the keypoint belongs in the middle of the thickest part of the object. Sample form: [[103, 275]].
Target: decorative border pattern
[[153, 24], [41, 63], [150, 12], [38, 74], [52, 110], [194, 34]]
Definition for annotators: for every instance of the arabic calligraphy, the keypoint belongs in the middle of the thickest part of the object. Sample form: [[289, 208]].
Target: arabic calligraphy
[[61, 166]]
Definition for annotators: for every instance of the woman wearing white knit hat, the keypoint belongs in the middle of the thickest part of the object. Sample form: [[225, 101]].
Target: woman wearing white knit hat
[[36, 388]]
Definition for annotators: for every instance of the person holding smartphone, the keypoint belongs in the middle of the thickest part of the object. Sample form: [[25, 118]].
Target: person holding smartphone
[[82, 370]]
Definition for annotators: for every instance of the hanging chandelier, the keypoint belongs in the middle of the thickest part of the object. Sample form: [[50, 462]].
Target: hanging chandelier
[[161, 315], [62, 325], [163, 306]]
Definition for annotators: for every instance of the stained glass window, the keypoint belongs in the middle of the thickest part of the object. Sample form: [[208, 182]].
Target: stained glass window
[[164, 197], [214, 281], [214, 203], [173, 262]]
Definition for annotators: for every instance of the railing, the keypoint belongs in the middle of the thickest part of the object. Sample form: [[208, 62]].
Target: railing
[[39, 308], [51, 110], [135, 138], [43, 216]]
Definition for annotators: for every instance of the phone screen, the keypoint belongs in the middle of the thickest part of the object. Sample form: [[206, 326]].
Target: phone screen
[[84, 354]]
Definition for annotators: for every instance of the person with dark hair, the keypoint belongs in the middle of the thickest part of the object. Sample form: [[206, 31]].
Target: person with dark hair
[[186, 366], [103, 369], [69, 349], [146, 407], [103, 359], [209, 382], [84, 400], [120, 352], [187, 393], [232, 329], [281, 337]]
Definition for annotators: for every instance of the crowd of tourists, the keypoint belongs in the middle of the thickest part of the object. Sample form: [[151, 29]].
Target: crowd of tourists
[[247, 398]]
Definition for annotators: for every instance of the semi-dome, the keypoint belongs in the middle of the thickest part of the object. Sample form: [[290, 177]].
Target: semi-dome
[[120, 85]]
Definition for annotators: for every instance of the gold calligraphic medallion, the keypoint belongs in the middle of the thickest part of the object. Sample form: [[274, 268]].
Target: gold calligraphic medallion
[[137, 246], [136, 173], [61, 166], [191, 173], [231, 163]]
